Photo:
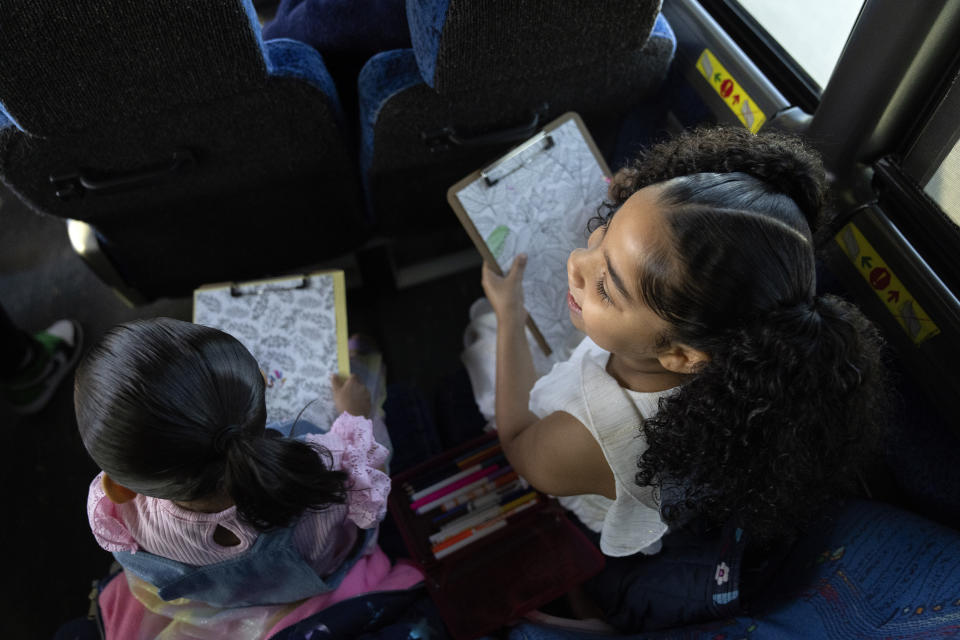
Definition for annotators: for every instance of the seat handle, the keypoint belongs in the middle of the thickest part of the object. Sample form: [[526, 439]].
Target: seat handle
[[77, 183], [446, 137]]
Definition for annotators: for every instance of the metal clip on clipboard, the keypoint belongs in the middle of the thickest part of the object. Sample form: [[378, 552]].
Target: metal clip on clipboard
[[517, 158], [260, 288]]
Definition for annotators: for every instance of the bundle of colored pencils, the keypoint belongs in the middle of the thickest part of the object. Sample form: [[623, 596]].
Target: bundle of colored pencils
[[470, 498]]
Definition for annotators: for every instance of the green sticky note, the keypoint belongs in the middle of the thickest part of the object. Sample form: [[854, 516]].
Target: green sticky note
[[496, 240]]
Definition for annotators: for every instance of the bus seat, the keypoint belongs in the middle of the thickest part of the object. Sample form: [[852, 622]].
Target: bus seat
[[870, 570], [195, 150], [482, 76], [920, 464], [342, 26]]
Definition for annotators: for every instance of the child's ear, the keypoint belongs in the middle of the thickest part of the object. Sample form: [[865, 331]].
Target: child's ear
[[117, 493], [681, 358]]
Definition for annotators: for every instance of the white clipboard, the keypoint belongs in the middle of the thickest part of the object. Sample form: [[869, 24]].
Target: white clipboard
[[295, 327], [537, 199]]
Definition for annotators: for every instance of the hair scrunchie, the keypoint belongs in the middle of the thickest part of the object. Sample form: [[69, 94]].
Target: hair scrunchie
[[801, 317], [226, 436]]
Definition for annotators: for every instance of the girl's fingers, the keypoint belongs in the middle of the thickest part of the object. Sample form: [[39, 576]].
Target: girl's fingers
[[519, 264]]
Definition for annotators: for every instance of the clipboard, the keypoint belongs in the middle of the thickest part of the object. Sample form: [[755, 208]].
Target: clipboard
[[295, 327], [537, 199]]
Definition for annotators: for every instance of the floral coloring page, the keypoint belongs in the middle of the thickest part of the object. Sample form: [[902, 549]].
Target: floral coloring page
[[541, 207], [290, 326]]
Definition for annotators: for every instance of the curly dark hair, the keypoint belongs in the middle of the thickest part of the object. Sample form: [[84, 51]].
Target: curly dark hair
[[791, 403]]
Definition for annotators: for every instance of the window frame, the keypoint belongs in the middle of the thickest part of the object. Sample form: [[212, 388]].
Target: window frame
[[899, 180], [934, 134], [920, 219], [766, 53]]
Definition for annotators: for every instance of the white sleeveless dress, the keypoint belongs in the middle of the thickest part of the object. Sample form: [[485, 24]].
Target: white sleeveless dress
[[582, 387]]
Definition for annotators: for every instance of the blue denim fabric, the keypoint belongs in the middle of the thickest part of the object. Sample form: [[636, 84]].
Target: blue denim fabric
[[296, 428], [272, 571], [5, 119], [408, 614]]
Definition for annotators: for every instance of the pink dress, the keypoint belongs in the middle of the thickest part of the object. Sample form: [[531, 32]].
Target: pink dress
[[323, 538]]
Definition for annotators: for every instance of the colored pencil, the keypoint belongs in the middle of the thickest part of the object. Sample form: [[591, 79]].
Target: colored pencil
[[432, 476], [479, 456], [444, 482], [479, 486], [452, 487], [501, 495], [479, 517], [480, 531], [446, 515], [486, 446], [479, 489], [452, 540], [424, 481], [473, 537], [457, 475], [519, 506], [514, 486]]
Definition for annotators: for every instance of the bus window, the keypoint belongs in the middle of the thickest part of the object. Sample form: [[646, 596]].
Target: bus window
[[812, 32], [796, 44], [921, 180], [944, 185]]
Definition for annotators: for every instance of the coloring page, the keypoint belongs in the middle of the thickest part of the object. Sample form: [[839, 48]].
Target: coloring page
[[542, 209], [292, 332]]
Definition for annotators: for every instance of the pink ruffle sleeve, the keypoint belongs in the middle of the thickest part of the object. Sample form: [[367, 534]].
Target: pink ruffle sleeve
[[355, 451], [105, 521]]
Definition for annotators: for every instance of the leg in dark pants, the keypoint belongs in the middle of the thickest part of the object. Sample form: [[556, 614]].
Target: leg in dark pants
[[16, 347]]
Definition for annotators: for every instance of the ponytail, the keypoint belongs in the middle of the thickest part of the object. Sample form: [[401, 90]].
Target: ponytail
[[273, 479], [176, 411], [787, 411]]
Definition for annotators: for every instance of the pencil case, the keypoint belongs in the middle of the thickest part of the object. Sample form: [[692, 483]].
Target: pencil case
[[532, 556]]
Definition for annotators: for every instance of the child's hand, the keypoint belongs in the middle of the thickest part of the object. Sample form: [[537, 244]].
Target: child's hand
[[505, 293], [350, 395]]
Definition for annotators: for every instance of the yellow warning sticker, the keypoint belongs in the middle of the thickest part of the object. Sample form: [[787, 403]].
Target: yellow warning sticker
[[730, 91], [887, 286]]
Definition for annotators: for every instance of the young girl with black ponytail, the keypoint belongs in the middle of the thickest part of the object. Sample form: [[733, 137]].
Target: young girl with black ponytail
[[714, 385], [199, 497]]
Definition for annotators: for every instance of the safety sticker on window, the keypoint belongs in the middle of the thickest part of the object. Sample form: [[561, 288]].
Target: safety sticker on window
[[887, 286], [730, 91]]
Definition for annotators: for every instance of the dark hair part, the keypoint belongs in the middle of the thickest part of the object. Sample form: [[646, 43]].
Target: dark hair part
[[176, 411], [791, 401]]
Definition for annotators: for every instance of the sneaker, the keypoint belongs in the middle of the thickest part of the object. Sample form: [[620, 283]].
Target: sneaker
[[60, 344]]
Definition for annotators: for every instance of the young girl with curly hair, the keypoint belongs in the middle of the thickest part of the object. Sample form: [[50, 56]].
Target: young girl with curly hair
[[714, 385]]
